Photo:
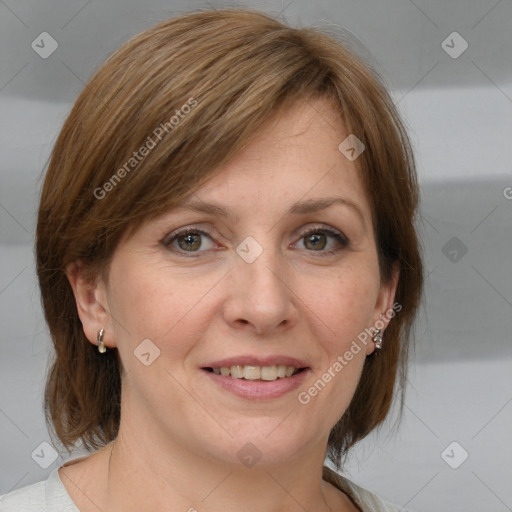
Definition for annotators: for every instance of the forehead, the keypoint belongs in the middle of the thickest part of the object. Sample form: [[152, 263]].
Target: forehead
[[294, 157]]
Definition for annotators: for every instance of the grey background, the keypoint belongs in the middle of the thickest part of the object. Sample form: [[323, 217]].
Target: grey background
[[459, 114]]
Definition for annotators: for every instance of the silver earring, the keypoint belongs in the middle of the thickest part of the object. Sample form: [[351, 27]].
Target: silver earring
[[101, 346], [377, 339]]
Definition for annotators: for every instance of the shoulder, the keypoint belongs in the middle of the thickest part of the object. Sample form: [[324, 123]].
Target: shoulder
[[49, 495], [28, 498], [364, 499]]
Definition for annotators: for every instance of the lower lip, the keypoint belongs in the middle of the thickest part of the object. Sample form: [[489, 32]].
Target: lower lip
[[259, 389]]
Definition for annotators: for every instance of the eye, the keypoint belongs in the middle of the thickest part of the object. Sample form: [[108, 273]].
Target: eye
[[188, 240], [317, 240]]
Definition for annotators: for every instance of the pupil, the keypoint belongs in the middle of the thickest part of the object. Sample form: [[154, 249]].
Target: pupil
[[192, 241], [189, 242], [315, 240]]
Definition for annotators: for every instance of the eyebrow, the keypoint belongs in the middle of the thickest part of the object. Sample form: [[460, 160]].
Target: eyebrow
[[300, 208]]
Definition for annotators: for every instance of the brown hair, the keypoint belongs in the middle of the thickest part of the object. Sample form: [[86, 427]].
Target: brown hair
[[236, 69]]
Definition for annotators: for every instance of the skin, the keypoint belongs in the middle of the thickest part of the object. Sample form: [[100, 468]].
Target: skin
[[179, 433]]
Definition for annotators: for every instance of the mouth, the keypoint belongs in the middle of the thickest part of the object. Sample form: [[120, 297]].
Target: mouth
[[254, 372], [256, 377]]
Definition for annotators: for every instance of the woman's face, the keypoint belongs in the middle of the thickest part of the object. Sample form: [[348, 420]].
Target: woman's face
[[260, 268]]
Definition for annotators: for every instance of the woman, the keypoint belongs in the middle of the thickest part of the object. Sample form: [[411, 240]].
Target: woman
[[229, 271]]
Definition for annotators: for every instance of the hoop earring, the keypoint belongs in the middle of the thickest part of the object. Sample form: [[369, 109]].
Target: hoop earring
[[377, 339], [101, 346]]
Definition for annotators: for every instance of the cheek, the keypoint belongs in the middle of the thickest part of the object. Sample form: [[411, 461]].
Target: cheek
[[342, 306], [149, 301], [338, 312]]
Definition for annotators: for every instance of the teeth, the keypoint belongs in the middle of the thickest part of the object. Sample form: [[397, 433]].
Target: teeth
[[237, 371], [269, 373], [281, 371], [251, 372]]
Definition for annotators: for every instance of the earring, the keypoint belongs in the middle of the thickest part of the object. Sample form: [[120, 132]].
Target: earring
[[377, 339], [101, 346]]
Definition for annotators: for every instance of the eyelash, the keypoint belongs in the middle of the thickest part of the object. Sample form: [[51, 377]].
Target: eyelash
[[341, 239]]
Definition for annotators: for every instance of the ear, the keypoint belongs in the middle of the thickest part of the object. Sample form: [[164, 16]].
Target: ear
[[384, 308], [91, 302]]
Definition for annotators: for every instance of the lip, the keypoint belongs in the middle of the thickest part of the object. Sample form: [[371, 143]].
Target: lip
[[257, 389], [257, 361]]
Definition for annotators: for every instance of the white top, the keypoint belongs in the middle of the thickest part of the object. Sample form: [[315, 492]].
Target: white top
[[52, 496]]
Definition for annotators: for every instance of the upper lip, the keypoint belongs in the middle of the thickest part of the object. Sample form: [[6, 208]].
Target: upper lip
[[246, 360]]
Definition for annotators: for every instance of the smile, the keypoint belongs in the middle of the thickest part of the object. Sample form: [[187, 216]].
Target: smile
[[252, 372]]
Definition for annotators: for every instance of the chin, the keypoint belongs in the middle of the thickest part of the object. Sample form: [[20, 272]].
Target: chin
[[265, 447]]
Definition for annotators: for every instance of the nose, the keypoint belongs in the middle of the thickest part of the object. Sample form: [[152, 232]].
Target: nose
[[261, 297]]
